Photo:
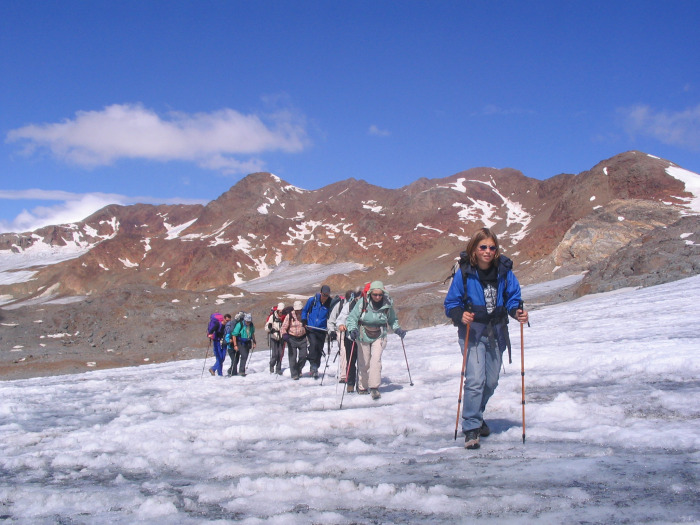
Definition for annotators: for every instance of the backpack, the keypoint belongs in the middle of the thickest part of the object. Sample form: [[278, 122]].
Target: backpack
[[287, 311], [215, 321], [364, 293], [274, 323], [335, 301], [229, 330], [463, 258]]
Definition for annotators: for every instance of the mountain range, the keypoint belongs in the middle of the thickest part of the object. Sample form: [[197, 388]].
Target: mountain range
[[109, 281]]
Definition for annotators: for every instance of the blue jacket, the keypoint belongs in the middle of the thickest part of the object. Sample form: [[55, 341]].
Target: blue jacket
[[507, 302], [315, 313]]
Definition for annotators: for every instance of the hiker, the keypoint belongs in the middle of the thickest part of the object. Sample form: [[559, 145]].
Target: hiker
[[273, 326], [294, 333], [337, 327], [215, 332], [483, 293], [367, 325], [314, 316], [244, 343], [229, 340]]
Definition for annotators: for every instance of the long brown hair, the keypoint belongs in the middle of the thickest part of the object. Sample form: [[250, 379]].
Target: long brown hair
[[473, 245]]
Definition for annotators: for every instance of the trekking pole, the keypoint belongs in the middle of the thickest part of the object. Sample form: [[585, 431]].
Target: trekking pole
[[464, 368], [347, 373], [284, 343], [205, 359], [407, 367], [250, 354], [522, 367], [328, 355]]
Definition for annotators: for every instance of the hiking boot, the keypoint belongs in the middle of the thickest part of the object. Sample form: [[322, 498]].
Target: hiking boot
[[342, 380], [272, 369], [315, 374], [471, 438], [295, 377], [351, 388], [362, 392], [375, 393], [279, 372], [211, 371], [484, 430]]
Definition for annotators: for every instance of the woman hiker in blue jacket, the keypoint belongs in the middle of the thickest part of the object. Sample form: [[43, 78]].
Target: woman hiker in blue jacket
[[483, 293]]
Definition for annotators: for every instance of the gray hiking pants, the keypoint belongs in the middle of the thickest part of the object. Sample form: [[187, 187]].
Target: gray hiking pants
[[297, 347]]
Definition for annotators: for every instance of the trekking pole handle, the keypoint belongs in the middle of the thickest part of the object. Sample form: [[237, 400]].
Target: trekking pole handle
[[521, 307]]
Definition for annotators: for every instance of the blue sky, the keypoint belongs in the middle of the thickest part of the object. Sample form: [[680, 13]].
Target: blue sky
[[176, 101]]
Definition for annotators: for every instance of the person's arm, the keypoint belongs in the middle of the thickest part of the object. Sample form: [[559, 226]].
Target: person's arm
[[454, 307], [305, 311]]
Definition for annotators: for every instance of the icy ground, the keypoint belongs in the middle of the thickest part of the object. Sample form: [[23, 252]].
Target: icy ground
[[612, 428]]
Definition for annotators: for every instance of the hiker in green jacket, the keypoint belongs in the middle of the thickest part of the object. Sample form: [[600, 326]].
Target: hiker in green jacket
[[368, 325]]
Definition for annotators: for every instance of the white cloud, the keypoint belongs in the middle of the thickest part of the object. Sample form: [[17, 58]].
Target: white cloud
[[96, 138], [374, 130], [72, 207], [680, 128]]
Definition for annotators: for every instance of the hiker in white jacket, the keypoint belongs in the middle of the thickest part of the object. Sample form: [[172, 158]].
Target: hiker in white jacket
[[336, 330]]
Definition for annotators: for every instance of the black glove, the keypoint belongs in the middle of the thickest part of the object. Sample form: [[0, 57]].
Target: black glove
[[303, 323], [353, 334], [333, 336], [400, 332], [269, 327]]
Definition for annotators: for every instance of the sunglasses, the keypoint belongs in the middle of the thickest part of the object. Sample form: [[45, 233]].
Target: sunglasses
[[377, 295], [483, 248]]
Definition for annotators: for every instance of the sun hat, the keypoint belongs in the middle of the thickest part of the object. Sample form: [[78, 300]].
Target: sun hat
[[377, 285]]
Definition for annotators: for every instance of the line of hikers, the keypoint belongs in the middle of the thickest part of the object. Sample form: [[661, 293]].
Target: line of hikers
[[359, 321], [483, 293]]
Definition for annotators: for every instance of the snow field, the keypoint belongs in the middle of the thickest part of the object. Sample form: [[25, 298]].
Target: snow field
[[612, 432]]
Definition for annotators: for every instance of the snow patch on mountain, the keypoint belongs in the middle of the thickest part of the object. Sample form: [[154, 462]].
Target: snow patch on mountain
[[173, 232], [372, 206], [692, 185], [298, 278], [479, 211]]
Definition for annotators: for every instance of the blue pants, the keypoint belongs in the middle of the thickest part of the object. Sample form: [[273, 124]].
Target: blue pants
[[480, 380], [220, 355]]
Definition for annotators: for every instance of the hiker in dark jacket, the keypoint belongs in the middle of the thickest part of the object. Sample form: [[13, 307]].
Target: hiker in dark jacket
[[314, 315], [483, 293], [244, 342], [230, 341], [215, 332], [294, 333]]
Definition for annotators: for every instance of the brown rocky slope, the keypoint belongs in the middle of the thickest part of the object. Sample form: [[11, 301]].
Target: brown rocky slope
[[145, 278]]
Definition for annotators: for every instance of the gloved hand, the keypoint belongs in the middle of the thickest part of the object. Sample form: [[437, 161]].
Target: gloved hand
[[210, 336], [333, 336], [269, 327], [303, 323], [353, 334], [285, 337], [400, 332]]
